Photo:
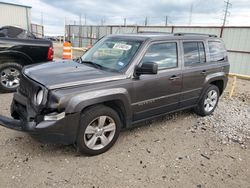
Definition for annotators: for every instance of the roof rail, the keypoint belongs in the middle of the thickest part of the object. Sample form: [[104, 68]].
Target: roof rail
[[195, 34], [154, 32]]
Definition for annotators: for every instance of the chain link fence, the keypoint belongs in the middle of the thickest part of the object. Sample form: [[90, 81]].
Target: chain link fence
[[236, 38], [37, 30]]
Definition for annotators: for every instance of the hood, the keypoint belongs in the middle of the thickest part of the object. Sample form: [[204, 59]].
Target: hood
[[55, 75]]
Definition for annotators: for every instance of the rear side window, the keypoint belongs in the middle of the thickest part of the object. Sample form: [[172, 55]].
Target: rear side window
[[164, 54], [217, 51], [194, 53]]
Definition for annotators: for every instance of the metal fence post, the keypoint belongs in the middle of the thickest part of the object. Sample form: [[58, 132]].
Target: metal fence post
[[91, 34], [172, 29]]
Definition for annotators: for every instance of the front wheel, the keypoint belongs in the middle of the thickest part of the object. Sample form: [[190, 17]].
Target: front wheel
[[209, 101], [10, 76], [99, 129]]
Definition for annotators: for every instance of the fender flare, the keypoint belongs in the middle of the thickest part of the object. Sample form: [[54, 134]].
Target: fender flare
[[213, 77], [83, 100]]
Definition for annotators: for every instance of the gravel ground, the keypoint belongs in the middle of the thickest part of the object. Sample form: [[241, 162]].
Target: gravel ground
[[178, 150], [231, 124]]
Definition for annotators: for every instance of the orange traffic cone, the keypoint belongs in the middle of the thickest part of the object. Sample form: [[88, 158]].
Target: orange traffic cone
[[67, 50]]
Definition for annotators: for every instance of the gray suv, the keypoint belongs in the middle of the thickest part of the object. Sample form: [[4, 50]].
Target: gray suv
[[120, 81]]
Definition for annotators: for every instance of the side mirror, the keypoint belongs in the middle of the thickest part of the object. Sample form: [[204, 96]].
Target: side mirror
[[146, 68]]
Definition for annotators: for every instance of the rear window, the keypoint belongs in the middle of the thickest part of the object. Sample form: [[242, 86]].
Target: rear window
[[217, 51], [194, 53]]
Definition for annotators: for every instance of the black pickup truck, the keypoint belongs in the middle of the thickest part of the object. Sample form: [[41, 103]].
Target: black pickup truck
[[18, 48]]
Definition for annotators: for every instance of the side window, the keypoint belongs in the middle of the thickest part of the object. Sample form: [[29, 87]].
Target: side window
[[194, 53], [164, 54], [217, 51]]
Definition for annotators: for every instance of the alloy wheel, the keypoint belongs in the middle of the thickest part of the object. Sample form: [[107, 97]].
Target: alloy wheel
[[210, 101], [100, 132], [10, 77]]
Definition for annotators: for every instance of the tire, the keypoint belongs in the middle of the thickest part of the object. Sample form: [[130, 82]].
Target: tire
[[9, 76], [208, 102], [98, 139]]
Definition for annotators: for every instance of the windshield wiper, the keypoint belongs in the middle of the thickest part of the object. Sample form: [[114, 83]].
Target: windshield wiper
[[78, 59], [92, 64]]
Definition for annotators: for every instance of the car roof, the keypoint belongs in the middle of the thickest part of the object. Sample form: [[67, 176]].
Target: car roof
[[162, 36]]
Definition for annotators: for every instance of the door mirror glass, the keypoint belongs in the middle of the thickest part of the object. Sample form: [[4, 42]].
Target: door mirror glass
[[146, 68]]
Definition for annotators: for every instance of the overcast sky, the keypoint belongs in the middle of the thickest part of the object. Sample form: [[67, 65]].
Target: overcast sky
[[204, 12]]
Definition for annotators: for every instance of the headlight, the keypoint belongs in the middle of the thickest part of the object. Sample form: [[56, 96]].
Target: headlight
[[39, 97]]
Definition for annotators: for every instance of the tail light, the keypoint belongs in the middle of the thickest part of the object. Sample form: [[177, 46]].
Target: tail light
[[50, 54]]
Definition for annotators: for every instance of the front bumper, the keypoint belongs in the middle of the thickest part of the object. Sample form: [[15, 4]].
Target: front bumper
[[47, 130]]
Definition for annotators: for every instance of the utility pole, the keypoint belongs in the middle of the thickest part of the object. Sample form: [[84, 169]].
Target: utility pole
[[228, 5], [64, 36], [146, 21], [166, 20], [41, 18], [190, 14], [85, 19], [80, 30], [125, 21], [102, 21]]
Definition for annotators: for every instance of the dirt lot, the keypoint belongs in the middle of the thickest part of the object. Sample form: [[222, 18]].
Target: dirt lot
[[179, 150]]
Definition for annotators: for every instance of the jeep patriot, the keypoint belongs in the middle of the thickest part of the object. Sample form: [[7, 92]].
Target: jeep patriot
[[120, 81]]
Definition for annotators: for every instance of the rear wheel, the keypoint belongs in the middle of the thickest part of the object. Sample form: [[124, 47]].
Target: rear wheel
[[10, 76], [209, 101], [99, 130]]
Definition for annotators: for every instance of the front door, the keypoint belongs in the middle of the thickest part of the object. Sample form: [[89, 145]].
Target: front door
[[160, 93]]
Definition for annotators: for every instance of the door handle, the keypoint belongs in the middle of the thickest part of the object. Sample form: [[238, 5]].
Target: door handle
[[204, 72], [174, 77]]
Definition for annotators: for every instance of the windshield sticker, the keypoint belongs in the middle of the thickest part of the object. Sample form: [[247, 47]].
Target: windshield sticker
[[121, 46], [120, 63]]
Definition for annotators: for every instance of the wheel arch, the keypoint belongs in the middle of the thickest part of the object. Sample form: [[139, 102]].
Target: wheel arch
[[113, 98], [218, 79], [22, 58], [218, 83]]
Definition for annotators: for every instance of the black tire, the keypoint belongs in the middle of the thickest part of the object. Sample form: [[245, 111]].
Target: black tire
[[90, 115], [200, 109], [12, 66]]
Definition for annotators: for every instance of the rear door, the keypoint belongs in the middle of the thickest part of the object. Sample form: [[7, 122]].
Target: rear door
[[198, 63], [195, 70], [160, 93]]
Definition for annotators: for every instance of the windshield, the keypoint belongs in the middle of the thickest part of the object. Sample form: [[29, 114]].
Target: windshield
[[113, 54]]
